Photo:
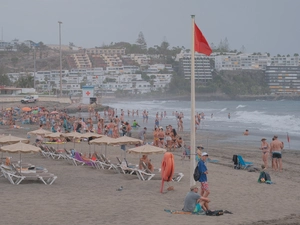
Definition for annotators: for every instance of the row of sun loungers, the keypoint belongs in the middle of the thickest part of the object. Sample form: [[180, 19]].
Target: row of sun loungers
[[101, 162]]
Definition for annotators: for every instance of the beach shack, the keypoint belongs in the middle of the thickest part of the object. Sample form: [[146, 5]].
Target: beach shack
[[88, 95]]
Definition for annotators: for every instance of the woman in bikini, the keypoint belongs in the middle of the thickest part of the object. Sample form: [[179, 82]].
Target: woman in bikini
[[265, 147], [161, 136]]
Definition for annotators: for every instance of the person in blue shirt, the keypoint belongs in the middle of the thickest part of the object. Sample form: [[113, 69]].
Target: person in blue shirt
[[203, 175]]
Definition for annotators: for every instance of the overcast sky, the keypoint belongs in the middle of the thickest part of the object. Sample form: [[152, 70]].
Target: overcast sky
[[260, 25]]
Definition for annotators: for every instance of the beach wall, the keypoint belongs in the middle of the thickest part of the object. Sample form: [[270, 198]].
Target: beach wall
[[5, 98]]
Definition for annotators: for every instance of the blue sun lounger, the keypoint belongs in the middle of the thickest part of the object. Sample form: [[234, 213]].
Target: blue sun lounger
[[243, 164]]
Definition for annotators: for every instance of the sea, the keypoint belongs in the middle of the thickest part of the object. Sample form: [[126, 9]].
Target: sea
[[262, 118]]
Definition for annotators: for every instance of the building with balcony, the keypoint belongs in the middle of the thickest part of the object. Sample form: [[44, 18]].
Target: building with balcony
[[106, 51], [283, 79], [202, 67]]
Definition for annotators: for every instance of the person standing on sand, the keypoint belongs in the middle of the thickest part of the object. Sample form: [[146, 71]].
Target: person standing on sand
[[203, 175], [265, 147], [275, 148], [228, 115]]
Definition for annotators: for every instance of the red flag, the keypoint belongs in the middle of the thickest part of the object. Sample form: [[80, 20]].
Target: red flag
[[288, 137], [200, 43]]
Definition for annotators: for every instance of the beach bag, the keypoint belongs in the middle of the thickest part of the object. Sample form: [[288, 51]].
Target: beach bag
[[214, 213], [235, 162], [196, 174]]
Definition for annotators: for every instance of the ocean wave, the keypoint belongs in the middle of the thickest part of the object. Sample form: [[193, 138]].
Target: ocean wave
[[264, 121], [240, 106]]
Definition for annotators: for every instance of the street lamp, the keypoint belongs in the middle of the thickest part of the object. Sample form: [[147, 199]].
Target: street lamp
[[34, 67], [60, 61]]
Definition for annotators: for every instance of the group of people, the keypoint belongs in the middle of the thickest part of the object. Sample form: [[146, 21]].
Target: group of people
[[275, 150], [197, 200], [167, 138]]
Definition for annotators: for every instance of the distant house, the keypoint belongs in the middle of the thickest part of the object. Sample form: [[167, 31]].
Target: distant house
[[10, 90]]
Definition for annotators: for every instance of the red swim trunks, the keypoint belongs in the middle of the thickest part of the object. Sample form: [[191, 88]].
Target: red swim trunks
[[204, 186]]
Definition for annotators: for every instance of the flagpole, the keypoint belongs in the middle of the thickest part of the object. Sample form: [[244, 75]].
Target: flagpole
[[193, 135]]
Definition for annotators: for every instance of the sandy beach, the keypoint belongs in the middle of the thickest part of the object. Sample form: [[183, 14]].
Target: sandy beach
[[82, 195]]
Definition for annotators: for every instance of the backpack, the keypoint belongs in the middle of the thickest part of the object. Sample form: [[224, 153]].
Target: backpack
[[236, 165], [196, 174], [264, 177]]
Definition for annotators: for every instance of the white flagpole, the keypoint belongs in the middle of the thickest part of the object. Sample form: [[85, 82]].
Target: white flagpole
[[193, 130]]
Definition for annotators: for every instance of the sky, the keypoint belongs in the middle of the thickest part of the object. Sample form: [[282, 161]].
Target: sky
[[260, 25]]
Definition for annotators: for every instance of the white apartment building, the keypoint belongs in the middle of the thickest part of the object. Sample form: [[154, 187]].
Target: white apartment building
[[106, 51], [141, 59], [202, 67], [285, 61], [235, 61], [130, 69]]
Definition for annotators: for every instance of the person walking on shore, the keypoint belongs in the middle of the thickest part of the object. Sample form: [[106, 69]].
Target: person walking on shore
[[265, 147], [275, 148]]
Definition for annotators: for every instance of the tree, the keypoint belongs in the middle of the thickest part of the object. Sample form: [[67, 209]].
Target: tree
[[23, 48], [25, 82], [42, 47], [152, 51], [296, 54], [213, 47], [14, 61], [4, 79], [243, 49], [141, 41]]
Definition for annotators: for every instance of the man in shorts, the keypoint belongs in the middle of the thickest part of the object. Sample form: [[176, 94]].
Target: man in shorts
[[203, 175], [142, 135], [193, 202], [275, 149]]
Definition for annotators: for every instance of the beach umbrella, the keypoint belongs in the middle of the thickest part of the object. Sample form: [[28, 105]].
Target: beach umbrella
[[8, 140], [34, 112], [146, 150], [54, 112], [73, 135], [20, 148], [26, 109], [89, 135], [125, 140], [40, 132], [104, 140], [55, 135]]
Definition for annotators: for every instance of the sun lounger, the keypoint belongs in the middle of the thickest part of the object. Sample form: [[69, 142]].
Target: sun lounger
[[243, 164], [106, 163], [15, 176], [176, 177]]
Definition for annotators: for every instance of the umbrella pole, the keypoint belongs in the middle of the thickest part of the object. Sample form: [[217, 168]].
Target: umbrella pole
[[105, 149], [20, 164]]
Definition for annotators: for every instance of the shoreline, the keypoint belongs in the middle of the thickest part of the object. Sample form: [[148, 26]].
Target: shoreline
[[206, 97]]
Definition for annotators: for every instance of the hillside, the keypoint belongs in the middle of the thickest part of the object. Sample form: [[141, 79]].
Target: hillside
[[240, 82]]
